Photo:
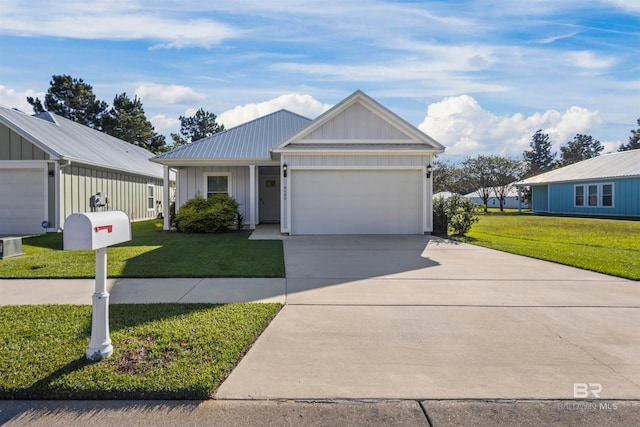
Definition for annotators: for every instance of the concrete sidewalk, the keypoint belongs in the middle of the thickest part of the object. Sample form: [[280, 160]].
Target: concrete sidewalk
[[315, 413], [139, 291]]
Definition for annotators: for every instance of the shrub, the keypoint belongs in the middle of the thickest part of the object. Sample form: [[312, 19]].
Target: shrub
[[213, 215], [455, 214], [440, 220]]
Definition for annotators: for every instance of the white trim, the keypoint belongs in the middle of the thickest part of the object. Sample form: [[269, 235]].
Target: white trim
[[585, 195], [351, 151], [364, 167], [23, 164], [166, 211], [153, 196], [355, 141], [215, 162], [252, 197], [205, 183]]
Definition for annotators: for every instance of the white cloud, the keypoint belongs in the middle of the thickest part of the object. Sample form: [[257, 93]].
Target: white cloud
[[587, 59], [304, 105], [164, 124], [466, 129], [13, 99], [113, 20], [171, 94]]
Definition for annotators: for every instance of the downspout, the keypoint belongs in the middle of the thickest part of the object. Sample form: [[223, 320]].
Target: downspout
[[59, 165]]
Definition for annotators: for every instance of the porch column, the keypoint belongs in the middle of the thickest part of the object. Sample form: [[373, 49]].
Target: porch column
[[252, 197], [519, 199], [165, 198]]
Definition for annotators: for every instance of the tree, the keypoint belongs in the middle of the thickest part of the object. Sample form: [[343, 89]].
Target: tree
[[540, 158], [193, 128], [505, 173], [479, 171], [126, 120], [634, 140], [582, 147], [449, 176], [73, 99]]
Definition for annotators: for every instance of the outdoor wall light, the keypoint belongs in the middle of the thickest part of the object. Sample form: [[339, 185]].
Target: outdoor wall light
[[284, 170], [429, 170]]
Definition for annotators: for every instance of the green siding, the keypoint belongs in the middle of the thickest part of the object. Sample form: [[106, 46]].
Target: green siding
[[124, 192], [15, 147]]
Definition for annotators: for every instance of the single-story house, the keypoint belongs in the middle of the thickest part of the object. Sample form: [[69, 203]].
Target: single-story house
[[607, 185], [512, 200], [51, 167], [356, 169], [443, 195]]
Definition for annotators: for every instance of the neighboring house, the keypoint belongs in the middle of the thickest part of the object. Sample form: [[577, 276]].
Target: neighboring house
[[511, 201], [607, 185], [51, 167], [356, 169], [443, 194]]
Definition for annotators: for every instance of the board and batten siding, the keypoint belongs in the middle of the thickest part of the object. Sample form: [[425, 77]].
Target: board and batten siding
[[540, 198], [15, 147], [356, 122], [124, 192], [191, 181], [626, 198]]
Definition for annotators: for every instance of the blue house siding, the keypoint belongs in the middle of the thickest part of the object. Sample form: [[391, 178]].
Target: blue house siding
[[540, 198], [626, 198]]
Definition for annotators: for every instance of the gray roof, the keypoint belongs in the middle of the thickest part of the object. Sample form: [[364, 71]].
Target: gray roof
[[251, 140], [65, 139], [624, 164]]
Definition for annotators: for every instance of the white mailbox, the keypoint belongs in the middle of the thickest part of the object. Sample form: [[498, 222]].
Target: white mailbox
[[97, 230], [94, 230]]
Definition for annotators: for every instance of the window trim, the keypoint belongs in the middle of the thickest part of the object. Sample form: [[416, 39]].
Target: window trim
[[152, 197], [206, 183], [599, 195]]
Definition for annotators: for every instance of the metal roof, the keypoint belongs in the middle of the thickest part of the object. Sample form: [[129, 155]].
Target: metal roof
[[65, 139], [251, 140], [623, 164]]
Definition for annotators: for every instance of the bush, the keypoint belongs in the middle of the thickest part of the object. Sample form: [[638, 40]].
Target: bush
[[213, 215], [455, 214]]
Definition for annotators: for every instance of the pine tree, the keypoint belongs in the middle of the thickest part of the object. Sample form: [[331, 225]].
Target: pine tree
[[634, 140], [193, 128], [540, 158]]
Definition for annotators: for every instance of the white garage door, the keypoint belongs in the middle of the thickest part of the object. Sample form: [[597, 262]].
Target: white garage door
[[356, 202], [22, 201]]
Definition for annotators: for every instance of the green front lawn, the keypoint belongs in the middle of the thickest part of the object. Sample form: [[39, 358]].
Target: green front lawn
[[152, 253], [606, 246], [161, 351]]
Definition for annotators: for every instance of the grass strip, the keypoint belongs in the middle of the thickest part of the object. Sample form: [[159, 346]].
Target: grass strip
[[161, 351], [151, 253], [607, 246]]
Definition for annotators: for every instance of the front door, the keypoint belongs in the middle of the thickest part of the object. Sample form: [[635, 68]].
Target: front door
[[270, 199]]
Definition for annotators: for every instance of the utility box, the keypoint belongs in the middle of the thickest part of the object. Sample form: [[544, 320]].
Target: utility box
[[10, 247], [95, 230]]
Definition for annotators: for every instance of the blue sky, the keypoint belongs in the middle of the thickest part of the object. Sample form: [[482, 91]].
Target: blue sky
[[479, 76]]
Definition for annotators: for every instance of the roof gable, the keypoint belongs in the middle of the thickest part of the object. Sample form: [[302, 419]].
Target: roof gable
[[359, 120], [252, 140], [624, 164], [65, 139]]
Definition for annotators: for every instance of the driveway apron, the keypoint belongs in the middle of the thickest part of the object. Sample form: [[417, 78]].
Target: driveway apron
[[416, 317]]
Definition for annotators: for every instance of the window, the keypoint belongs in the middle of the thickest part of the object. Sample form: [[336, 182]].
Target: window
[[151, 200], [217, 183], [579, 195], [607, 195], [594, 195]]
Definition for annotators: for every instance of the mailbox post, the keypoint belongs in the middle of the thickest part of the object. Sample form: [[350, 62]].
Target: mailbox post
[[96, 231]]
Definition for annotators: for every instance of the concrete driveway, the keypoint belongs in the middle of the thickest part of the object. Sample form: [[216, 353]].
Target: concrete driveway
[[423, 318]]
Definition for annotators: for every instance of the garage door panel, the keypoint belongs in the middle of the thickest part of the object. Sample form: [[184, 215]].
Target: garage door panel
[[22, 198], [356, 202]]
